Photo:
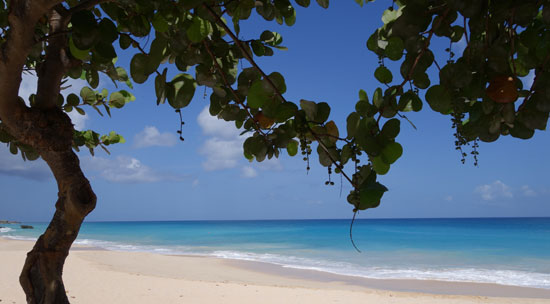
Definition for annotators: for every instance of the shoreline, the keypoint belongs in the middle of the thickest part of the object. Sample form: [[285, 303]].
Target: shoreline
[[88, 272]]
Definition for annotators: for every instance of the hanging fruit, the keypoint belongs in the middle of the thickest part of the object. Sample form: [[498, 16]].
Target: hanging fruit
[[264, 121], [502, 89]]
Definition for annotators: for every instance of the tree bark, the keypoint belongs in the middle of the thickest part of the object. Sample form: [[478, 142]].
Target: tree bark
[[50, 133], [47, 129], [41, 277]]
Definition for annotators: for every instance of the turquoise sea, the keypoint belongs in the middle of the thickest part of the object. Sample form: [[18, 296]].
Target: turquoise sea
[[509, 251]]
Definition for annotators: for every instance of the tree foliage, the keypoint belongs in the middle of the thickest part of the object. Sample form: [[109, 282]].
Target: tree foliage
[[478, 88], [196, 43]]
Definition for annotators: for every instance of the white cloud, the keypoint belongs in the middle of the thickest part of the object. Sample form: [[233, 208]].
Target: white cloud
[[195, 183], [125, 169], [248, 172], [221, 154], [448, 198], [493, 191], [223, 149], [29, 84], [269, 164], [215, 127], [150, 136], [527, 191], [79, 121], [14, 165]]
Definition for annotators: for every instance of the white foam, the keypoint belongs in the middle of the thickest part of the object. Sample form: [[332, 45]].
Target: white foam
[[20, 238], [5, 229], [475, 275]]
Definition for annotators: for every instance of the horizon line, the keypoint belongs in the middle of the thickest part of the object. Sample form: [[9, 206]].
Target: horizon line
[[298, 219]]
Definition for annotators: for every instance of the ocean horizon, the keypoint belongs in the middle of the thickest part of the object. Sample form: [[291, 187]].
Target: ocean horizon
[[507, 251]]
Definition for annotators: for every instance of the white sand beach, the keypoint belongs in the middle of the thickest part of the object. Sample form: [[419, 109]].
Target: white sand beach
[[99, 276]]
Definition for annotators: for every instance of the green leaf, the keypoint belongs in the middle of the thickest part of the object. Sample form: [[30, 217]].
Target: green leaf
[[257, 47], [379, 165], [363, 95], [78, 53], [394, 49], [457, 34], [88, 95], [73, 100], [377, 97], [125, 41], [107, 31], [323, 112], [278, 80], [92, 77], [138, 68], [370, 196], [255, 146], [80, 111], [439, 99], [304, 3], [160, 87], [285, 111], [291, 19], [257, 95], [117, 100], [105, 50], [199, 29], [271, 38], [383, 75], [332, 130], [421, 80], [13, 149], [521, 131], [292, 147], [391, 128], [159, 23], [184, 88], [409, 101], [324, 157], [390, 15], [310, 108], [392, 152], [323, 3], [352, 124]]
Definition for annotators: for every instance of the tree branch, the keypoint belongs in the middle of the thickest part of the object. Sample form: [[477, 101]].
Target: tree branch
[[426, 45], [251, 60], [22, 19], [85, 5], [227, 85], [56, 63]]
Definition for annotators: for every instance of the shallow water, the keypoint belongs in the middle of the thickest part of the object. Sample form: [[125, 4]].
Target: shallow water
[[509, 251]]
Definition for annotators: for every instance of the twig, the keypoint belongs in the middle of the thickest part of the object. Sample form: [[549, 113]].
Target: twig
[[351, 231], [417, 59], [227, 85], [532, 89], [251, 60], [86, 5], [138, 47]]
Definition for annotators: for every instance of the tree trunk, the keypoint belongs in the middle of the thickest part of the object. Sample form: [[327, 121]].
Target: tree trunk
[[41, 277], [50, 133]]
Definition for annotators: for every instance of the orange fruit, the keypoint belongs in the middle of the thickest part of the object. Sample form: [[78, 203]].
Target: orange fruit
[[264, 121], [502, 89]]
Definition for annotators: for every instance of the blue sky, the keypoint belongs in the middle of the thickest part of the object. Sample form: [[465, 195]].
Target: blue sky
[[154, 176]]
